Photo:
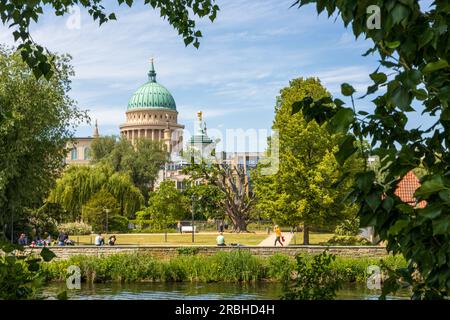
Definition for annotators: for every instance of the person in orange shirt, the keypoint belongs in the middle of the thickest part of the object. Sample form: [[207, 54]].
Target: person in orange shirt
[[277, 235]]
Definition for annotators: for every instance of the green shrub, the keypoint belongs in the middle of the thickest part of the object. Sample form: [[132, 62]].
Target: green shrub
[[347, 241], [315, 279], [75, 228], [187, 250], [280, 267], [234, 266], [118, 224]]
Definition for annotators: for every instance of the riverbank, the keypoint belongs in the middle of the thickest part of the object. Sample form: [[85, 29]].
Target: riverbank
[[169, 252], [233, 266]]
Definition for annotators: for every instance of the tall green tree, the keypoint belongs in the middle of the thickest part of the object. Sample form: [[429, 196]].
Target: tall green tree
[[37, 119], [208, 200], [18, 15], [101, 208], [303, 190], [79, 183], [102, 147], [141, 161], [233, 183], [412, 47], [166, 206]]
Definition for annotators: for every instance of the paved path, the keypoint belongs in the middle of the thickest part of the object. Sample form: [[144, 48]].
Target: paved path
[[269, 241]]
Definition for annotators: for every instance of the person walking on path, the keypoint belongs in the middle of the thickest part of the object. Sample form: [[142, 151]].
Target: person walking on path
[[277, 235]]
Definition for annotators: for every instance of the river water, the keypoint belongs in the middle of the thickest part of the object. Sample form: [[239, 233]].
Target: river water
[[198, 291]]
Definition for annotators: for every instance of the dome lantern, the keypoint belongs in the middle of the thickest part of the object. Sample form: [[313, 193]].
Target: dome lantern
[[152, 95]]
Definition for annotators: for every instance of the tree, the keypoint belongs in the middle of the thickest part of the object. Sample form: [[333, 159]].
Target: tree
[[166, 206], [37, 118], [18, 15], [208, 200], [102, 147], [303, 190], [79, 184], [99, 209], [142, 161], [233, 184], [412, 47]]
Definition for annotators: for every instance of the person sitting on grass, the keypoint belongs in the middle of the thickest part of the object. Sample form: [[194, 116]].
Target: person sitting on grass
[[99, 241], [220, 240], [112, 240]]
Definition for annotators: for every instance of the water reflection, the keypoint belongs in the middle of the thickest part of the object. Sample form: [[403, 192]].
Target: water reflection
[[197, 291]]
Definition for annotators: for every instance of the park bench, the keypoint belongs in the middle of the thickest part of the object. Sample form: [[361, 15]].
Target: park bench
[[188, 228]]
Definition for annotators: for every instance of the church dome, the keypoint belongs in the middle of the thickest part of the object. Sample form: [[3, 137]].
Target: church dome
[[152, 95]]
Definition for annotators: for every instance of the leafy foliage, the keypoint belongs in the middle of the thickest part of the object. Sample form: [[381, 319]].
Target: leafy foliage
[[315, 280], [20, 273], [165, 207], [233, 184], [37, 118], [141, 162], [413, 49], [310, 185], [79, 184], [347, 241], [94, 211], [18, 15], [78, 228], [118, 224], [208, 199]]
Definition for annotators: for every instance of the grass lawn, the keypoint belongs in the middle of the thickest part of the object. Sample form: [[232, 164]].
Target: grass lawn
[[314, 238], [200, 238], [176, 239]]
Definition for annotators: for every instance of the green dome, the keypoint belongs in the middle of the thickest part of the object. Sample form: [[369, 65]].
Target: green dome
[[152, 95]]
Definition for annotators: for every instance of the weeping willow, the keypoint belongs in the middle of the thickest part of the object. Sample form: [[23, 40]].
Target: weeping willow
[[79, 183], [129, 197]]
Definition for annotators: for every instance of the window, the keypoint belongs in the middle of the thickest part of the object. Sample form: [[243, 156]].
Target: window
[[74, 154], [86, 153]]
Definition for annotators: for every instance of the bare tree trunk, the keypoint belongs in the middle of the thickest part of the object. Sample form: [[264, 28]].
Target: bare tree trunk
[[305, 234]]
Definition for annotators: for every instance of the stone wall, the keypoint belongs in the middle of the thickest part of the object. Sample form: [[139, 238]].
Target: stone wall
[[171, 251]]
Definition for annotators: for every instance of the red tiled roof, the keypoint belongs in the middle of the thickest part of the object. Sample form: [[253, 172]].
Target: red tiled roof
[[406, 188]]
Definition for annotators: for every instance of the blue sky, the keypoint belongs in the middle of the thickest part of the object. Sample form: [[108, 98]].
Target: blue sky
[[246, 56]]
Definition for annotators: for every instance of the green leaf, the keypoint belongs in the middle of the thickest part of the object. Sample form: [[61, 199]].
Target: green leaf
[[373, 200], [388, 203], [347, 90], [378, 77], [393, 45], [364, 181], [431, 211], [433, 66], [399, 13], [401, 99], [47, 254], [346, 149], [430, 186], [341, 121], [441, 226], [398, 227]]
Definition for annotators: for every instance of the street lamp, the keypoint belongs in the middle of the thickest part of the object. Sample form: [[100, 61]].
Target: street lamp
[[193, 207], [107, 212]]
